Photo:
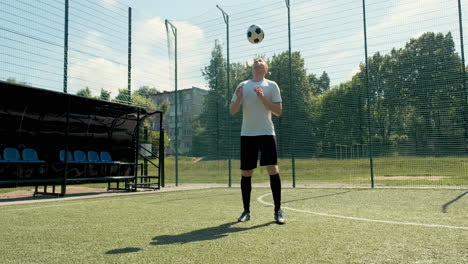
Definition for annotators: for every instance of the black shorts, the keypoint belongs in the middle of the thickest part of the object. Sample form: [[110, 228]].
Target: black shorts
[[251, 145]]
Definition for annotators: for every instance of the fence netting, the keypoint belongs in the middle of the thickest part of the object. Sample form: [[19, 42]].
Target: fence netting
[[374, 92]]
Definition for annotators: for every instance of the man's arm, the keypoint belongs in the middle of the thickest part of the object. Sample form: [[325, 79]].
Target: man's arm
[[235, 107], [275, 108]]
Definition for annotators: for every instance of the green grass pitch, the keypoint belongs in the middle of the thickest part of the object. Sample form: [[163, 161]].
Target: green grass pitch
[[199, 226]]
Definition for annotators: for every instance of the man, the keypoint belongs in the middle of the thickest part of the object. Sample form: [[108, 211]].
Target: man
[[260, 98]]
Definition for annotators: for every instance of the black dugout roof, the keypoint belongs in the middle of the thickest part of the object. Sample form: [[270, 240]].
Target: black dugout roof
[[54, 102], [49, 121]]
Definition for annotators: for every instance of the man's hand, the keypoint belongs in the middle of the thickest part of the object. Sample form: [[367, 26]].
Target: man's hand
[[275, 108], [239, 91], [259, 92]]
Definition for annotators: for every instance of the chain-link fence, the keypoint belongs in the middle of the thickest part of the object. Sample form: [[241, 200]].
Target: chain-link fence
[[374, 92]]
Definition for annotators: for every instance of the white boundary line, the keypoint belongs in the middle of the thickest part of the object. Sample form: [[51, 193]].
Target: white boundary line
[[260, 200]]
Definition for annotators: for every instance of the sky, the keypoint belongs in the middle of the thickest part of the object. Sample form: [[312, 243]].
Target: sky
[[328, 34], [176, 9]]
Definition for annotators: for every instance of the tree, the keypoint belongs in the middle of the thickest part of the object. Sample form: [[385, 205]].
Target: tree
[[165, 107], [294, 127], [146, 91], [86, 92], [105, 95], [123, 96], [215, 131], [142, 101], [318, 85], [212, 121], [415, 96], [338, 119], [14, 81], [434, 72]]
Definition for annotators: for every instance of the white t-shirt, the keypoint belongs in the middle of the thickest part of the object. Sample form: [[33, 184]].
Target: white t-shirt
[[256, 118]]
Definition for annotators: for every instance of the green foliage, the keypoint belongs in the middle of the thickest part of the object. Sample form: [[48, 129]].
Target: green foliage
[[413, 103], [14, 81], [142, 101], [213, 130], [164, 107], [294, 127], [319, 85], [414, 98], [86, 92], [415, 92], [123, 96], [153, 138], [142, 97], [332, 126], [105, 95], [146, 91]]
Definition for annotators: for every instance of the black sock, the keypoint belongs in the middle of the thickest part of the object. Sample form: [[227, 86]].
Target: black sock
[[275, 184], [246, 188]]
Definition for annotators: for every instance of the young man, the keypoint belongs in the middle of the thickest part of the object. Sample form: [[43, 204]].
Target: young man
[[259, 98]]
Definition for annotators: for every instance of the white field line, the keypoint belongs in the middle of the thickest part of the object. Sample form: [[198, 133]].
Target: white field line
[[260, 200]]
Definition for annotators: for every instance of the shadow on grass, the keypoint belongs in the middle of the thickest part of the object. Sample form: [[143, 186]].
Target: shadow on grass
[[321, 196], [445, 206], [210, 233], [123, 250]]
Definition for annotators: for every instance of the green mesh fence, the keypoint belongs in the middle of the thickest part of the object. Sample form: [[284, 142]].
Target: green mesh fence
[[374, 92], [399, 120]]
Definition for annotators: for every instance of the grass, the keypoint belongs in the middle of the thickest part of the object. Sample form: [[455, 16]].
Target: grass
[[388, 171], [199, 227]]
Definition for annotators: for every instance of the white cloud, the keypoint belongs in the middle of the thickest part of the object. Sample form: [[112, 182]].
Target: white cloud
[[150, 62], [305, 9], [149, 31], [356, 69], [110, 4], [97, 73], [152, 65], [404, 20], [193, 51], [407, 12]]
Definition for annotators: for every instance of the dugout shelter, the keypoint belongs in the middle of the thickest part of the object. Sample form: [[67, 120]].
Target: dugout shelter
[[49, 138]]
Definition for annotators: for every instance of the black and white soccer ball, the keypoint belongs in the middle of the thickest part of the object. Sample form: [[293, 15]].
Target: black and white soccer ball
[[255, 34]]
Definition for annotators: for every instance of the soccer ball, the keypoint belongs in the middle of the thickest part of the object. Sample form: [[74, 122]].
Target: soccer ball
[[255, 34]]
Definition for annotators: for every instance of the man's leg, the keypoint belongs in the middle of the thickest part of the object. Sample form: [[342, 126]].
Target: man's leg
[[246, 188], [275, 185], [249, 156]]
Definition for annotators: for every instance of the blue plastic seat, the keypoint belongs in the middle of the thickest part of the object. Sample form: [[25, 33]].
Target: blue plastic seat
[[106, 158], [80, 156], [11, 155], [93, 157], [69, 156], [30, 155]]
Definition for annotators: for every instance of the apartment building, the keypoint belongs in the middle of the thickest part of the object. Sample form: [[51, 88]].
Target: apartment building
[[190, 106]]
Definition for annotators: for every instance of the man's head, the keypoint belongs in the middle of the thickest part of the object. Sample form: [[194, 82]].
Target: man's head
[[259, 67]]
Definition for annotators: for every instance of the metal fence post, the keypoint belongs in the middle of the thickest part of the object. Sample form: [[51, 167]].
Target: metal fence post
[[129, 71], [291, 93], [368, 98], [226, 20], [65, 49], [176, 134], [463, 79]]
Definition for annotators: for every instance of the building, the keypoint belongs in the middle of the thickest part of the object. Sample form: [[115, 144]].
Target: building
[[190, 105]]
